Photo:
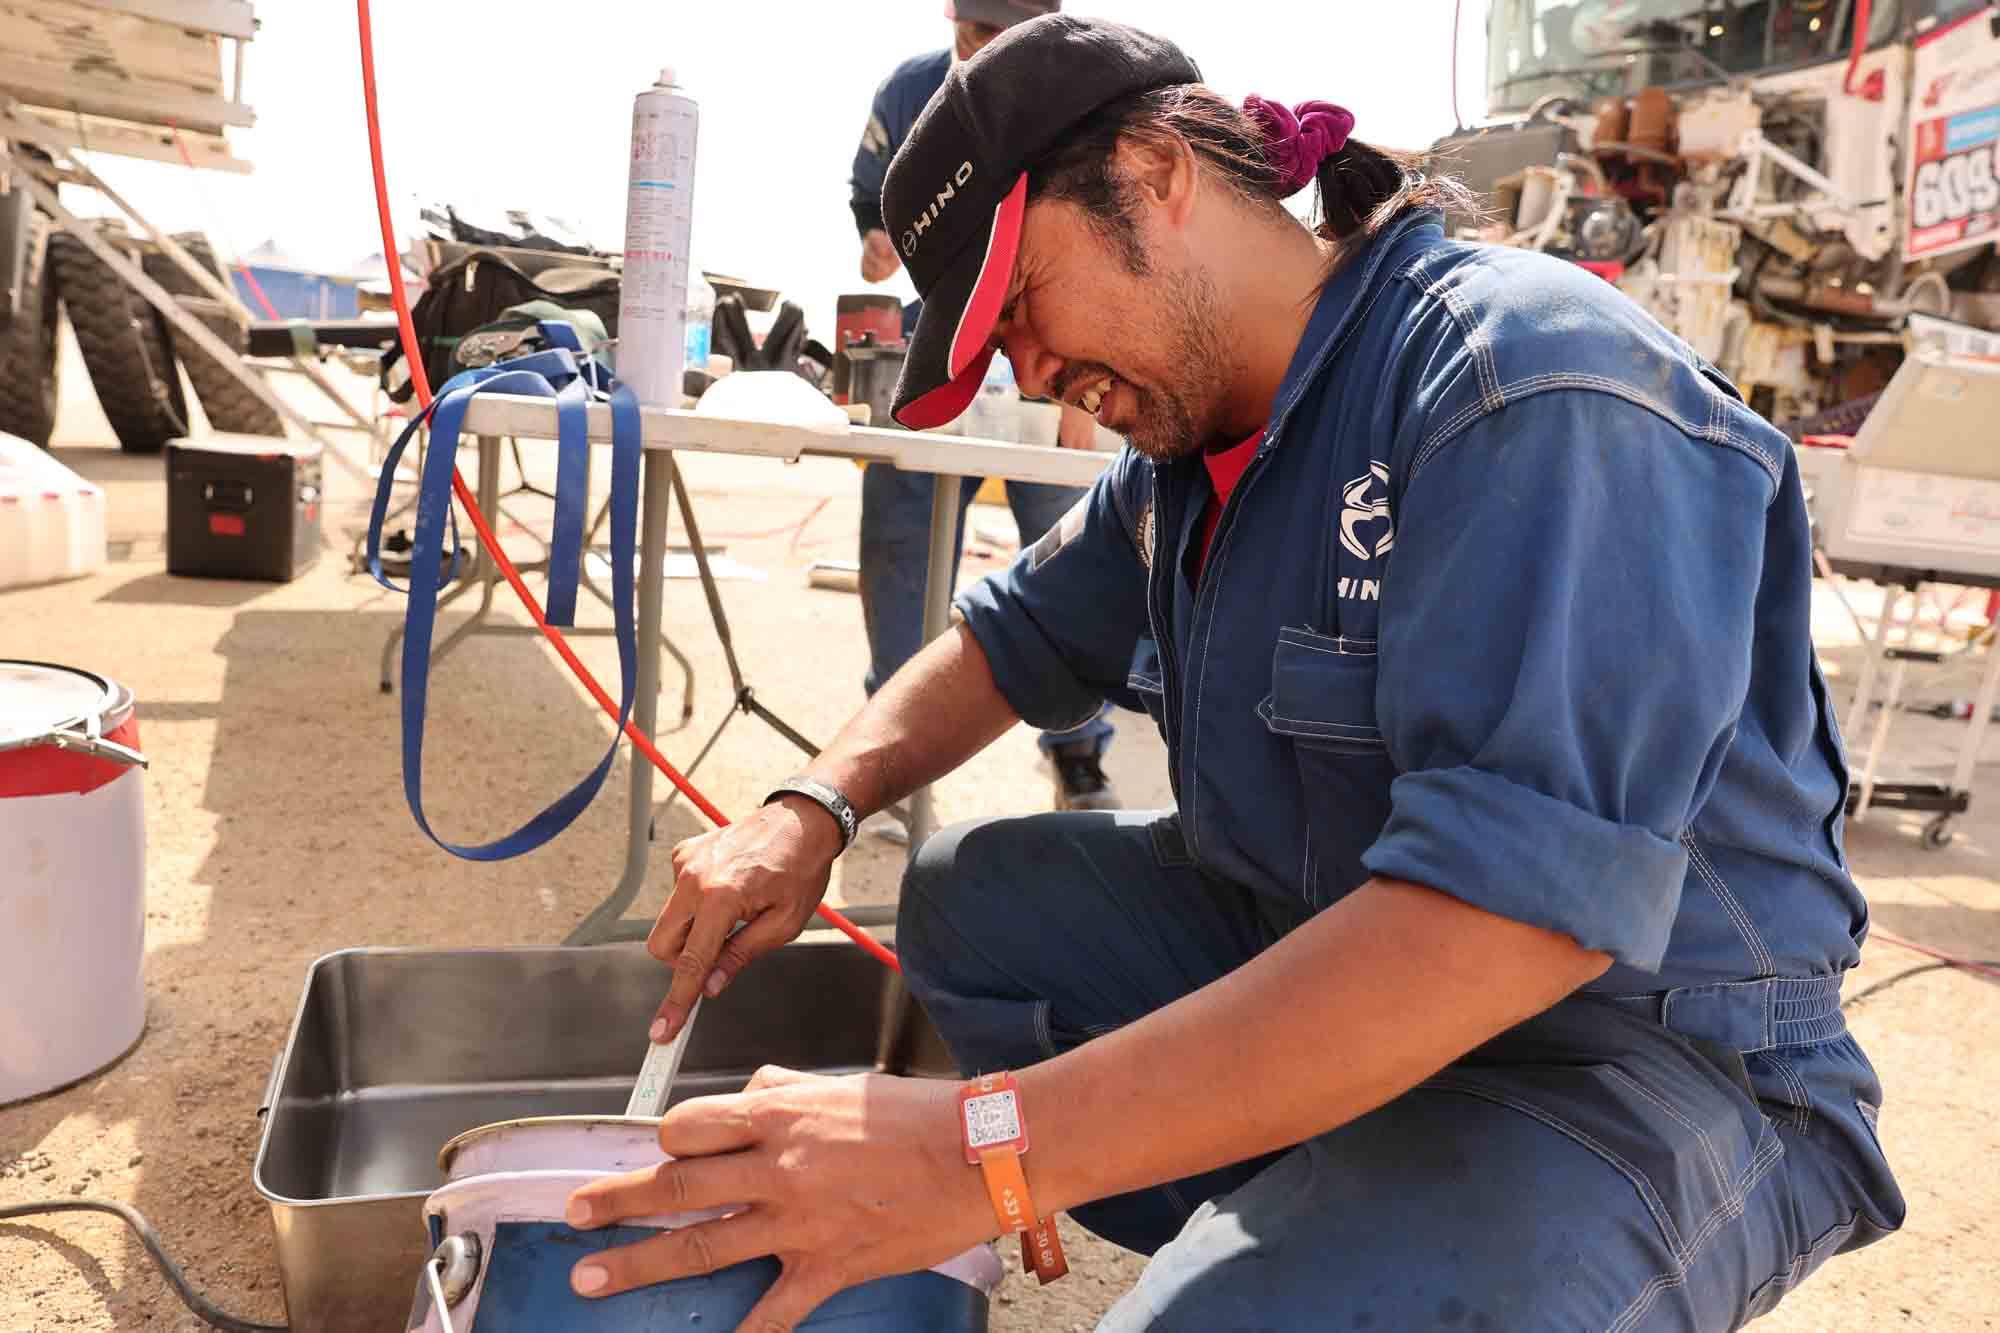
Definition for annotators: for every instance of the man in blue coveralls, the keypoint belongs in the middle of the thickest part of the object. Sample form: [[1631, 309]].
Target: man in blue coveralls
[[1487, 976], [896, 505]]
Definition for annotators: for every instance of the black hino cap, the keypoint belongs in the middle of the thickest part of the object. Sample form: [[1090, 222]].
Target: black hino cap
[[957, 190]]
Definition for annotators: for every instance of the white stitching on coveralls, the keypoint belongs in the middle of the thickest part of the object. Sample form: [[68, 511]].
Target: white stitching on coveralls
[[1537, 384], [1640, 1182], [1760, 957], [1797, 1087], [1708, 1149], [1766, 1157]]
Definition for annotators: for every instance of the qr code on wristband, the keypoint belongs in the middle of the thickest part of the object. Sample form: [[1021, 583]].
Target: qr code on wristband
[[992, 1119]]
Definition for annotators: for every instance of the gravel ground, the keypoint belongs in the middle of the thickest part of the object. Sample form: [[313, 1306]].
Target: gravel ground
[[277, 833]]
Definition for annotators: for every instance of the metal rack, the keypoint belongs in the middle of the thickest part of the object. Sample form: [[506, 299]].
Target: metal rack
[[1913, 501]]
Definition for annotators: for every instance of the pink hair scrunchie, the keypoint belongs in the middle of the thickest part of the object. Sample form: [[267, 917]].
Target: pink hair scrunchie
[[1298, 138]]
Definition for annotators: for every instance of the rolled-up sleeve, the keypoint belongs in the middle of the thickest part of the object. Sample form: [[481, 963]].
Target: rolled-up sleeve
[[1565, 648], [1058, 626]]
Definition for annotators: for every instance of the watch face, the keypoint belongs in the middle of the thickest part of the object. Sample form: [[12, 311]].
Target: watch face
[[993, 1120]]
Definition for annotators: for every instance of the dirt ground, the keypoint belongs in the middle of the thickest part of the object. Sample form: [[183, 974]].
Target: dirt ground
[[277, 832]]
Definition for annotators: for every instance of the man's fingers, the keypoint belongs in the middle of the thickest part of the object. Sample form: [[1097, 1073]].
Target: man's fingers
[[670, 1187], [791, 1300], [695, 960], [701, 1126], [670, 929], [770, 929], [777, 1076], [685, 1252]]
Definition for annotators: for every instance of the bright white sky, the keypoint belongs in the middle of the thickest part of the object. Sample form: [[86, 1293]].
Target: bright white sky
[[513, 103]]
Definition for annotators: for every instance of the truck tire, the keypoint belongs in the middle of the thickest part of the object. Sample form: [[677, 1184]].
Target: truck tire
[[230, 406], [28, 355], [125, 349]]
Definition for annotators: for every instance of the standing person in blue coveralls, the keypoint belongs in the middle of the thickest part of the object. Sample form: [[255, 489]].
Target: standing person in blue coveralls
[[1488, 975], [895, 505]]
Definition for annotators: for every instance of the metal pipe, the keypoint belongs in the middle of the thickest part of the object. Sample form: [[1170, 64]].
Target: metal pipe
[[937, 611], [1859, 304]]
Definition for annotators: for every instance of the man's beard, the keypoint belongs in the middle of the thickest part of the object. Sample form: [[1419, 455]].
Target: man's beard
[[1168, 422]]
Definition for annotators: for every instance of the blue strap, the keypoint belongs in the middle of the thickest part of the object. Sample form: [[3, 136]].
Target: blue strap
[[572, 493], [553, 374], [572, 475], [379, 511]]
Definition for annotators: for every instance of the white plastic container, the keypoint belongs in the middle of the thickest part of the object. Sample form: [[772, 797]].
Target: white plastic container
[[659, 222], [72, 876], [51, 520]]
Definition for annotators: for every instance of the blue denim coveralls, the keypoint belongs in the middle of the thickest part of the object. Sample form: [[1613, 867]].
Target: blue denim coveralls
[[1512, 602]]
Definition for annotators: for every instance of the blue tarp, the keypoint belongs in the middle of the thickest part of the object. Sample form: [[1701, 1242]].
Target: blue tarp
[[298, 294]]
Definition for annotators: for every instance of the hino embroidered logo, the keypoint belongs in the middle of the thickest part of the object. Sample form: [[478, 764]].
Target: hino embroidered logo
[[935, 207], [1358, 507]]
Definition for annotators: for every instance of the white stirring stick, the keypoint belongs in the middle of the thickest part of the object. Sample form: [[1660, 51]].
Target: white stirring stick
[[661, 1066]]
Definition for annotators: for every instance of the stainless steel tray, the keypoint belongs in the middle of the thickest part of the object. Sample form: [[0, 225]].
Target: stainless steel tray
[[394, 1051]]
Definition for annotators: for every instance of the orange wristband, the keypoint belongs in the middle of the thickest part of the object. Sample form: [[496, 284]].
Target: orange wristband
[[996, 1134]]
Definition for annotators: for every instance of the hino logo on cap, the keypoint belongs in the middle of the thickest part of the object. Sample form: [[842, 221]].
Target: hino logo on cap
[[930, 214]]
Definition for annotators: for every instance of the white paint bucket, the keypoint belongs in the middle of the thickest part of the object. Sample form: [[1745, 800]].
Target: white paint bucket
[[498, 1234], [72, 876]]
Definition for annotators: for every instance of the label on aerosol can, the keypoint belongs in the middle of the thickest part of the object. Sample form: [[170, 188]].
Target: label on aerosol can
[[659, 218]]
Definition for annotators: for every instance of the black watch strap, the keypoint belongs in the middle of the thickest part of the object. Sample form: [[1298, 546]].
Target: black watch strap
[[826, 798]]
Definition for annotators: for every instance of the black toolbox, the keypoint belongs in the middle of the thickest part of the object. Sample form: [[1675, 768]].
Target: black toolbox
[[243, 506]]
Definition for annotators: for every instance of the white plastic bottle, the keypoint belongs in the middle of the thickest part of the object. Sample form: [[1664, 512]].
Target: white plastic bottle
[[659, 220]]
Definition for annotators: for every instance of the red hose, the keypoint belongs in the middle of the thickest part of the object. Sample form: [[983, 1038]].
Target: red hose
[[488, 543]]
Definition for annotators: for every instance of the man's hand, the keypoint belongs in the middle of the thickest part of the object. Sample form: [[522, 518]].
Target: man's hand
[[769, 872], [843, 1179], [878, 256], [1077, 430]]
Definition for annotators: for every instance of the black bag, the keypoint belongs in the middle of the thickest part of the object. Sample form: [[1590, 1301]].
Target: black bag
[[475, 291], [783, 345]]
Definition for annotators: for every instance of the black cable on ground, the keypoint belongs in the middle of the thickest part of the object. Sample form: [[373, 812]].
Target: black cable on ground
[[1900, 977], [205, 1310]]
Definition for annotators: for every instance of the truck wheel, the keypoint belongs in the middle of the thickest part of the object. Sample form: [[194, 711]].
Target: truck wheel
[[28, 358], [230, 405], [125, 349]]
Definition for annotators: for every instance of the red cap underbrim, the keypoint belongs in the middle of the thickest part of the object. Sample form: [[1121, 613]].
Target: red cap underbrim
[[953, 342]]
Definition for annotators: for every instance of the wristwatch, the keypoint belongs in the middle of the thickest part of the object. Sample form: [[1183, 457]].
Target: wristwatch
[[826, 798]]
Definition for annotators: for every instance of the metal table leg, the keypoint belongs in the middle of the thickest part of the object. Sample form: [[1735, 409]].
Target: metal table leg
[[1982, 717], [1871, 655], [937, 613], [744, 698], [607, 921], [896, 1051]]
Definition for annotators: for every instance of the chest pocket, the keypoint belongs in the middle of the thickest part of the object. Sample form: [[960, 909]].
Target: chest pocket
[[1322, 701]]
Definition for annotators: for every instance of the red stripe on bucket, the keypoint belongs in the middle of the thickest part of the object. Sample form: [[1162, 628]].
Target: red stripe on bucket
[[45, 770]]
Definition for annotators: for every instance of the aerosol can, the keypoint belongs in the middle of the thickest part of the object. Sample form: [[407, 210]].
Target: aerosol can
[[659, 218]]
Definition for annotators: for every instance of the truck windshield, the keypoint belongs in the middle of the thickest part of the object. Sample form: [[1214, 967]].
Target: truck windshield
[[1587, 49]]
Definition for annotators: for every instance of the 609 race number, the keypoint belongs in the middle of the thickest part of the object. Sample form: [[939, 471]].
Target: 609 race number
[[1955, 187]]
